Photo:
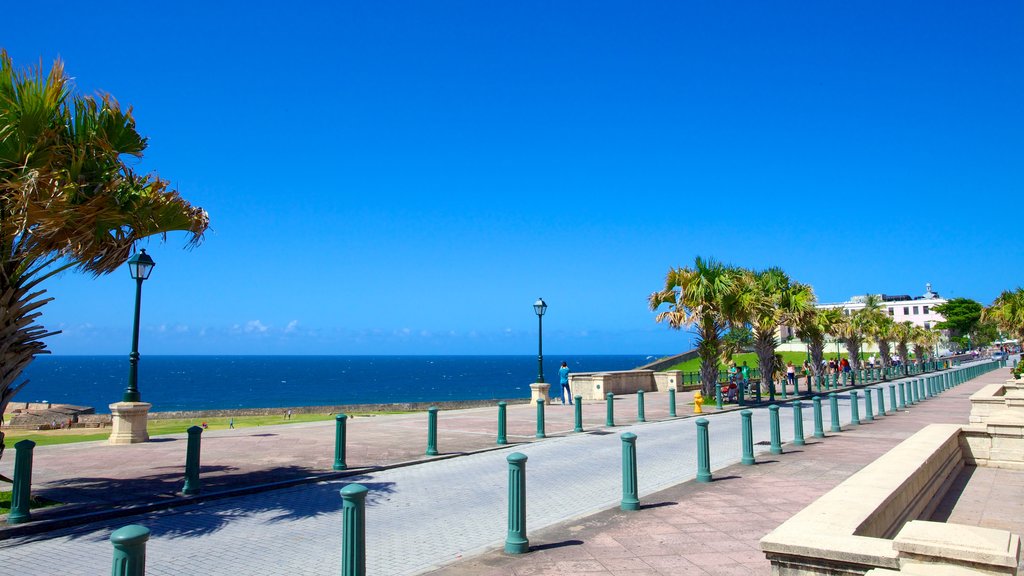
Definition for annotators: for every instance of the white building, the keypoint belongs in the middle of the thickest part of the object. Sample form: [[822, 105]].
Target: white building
[[920, 310]]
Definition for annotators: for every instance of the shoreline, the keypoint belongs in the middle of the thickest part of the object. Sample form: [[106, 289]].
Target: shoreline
[[336, 409]]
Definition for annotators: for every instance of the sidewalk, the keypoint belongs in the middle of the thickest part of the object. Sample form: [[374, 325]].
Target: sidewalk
[[714, 529], [94, 478], [422, 518]]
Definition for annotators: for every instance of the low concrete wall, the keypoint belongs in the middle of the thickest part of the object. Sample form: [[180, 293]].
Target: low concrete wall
[[595, 385], [870, 520], [995, 436]]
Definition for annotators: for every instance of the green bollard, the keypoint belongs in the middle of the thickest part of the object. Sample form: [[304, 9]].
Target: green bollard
[[640, 406], [835, 381], [782, 382], [903, 396], [773, 427], [21, 491], [833, 404], [353, 521], [892, 396], [748, 437], [798, 423], [818, 379], [540, 418], [503, 424], [609, 411], [703, 451], [718, 396], [757, 392], [819, 429], [845, 377], [868, 408], [579, 413], [432, 431], [771, 390], [516, 541], [195, 438], [129, 550], [630, 499], [854, 408], [672, 402], [740, 391], [912, 392], [339, 442], [880, 396]]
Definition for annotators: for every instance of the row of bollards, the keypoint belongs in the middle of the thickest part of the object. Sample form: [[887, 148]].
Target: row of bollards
[[129, 542]]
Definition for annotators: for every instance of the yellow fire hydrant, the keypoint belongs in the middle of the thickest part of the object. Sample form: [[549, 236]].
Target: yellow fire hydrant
[[698, 401]]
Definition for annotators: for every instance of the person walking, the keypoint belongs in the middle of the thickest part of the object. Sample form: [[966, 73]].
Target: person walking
[[231, 422], [791, 375], [563, 379]]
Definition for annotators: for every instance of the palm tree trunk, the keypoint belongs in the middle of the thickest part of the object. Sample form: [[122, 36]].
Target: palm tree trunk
[[764, 346]]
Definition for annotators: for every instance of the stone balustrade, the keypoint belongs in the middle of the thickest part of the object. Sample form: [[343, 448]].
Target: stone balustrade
[[595, 385]]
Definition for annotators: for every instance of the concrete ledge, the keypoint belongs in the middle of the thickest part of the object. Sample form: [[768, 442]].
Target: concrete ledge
[[847, 530], [931, 544]]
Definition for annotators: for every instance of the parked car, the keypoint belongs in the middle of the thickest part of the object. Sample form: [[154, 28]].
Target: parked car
[[999, 355]]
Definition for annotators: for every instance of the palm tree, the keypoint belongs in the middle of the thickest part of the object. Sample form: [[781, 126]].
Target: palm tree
[[903, 334], [1008, 312], [67, 201], [881, 330], [851, 332], [814, 327], [924, 342], [702, 297], [769, 299]]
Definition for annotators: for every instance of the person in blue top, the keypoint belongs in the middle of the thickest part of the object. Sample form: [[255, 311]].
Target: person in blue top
[[563, 379]]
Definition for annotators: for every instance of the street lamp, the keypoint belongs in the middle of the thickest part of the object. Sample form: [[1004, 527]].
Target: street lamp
[[139, 266], [539, 307]]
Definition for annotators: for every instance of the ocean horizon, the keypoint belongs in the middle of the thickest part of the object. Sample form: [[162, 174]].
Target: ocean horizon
[[173, 383]]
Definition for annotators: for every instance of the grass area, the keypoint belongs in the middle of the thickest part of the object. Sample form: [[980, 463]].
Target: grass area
[[33, 502], [751, 359], [157, 427]]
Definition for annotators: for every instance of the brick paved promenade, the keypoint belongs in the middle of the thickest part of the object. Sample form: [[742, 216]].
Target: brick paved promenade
[[427, 516]]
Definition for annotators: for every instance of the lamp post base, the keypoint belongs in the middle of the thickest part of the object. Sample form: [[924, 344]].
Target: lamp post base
[[539, 391], [129, 420]]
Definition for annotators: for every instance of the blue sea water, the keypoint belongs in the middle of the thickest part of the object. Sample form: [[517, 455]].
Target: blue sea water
[[225, 382]]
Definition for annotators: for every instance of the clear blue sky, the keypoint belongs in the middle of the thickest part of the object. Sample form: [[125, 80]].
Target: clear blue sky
[[408, 177]]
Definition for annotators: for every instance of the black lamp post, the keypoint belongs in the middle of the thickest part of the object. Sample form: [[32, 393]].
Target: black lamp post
[[540, 308], [139, 266]]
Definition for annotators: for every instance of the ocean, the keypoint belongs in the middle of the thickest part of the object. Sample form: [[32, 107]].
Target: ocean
[[174, 383]]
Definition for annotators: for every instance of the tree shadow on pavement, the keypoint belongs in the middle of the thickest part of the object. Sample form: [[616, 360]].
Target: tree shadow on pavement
[[197, 518]]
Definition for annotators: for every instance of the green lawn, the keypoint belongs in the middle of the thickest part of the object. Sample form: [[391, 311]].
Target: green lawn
[[751, 359], [157, 427], [34, 502]]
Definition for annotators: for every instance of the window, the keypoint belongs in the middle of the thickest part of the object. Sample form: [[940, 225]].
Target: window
[[906, 310], [927, 325], [890, 311], [925, 309], [915, 309]]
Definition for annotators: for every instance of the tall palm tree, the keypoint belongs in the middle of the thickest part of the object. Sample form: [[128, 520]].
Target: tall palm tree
[[924, 342], [903, 334], [814, 327], [67, 201], [702, 297], [1008, 312], [769, 299]]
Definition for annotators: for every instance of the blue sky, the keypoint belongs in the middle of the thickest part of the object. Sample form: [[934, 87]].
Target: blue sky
[[408, 177]]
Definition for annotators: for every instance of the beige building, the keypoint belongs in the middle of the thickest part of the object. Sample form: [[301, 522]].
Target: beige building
[[919, 310]]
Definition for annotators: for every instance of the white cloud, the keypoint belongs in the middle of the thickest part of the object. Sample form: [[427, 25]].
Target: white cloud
[[290, 328], [255, 326]]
